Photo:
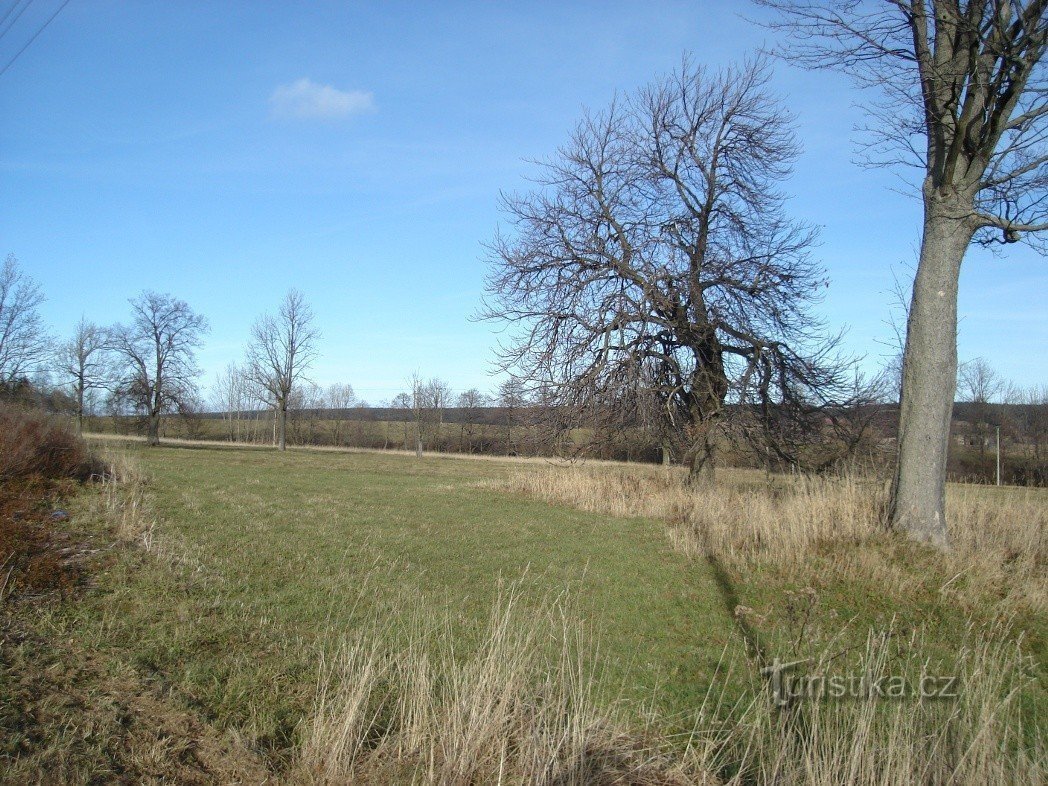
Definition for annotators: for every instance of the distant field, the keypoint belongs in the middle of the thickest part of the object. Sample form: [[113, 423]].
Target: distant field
[[378, 431]]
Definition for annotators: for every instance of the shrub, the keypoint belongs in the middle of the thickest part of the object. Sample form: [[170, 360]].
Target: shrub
[[37, 454], [34, 444]]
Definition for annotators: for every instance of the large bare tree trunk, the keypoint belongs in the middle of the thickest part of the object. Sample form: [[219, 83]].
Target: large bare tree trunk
[[702, 456], [918, 499], [703, 462], [282, 427], [709, 387], [154, 428]]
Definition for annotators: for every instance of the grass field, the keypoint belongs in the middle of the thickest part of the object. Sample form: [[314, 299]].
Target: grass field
[[258, 567], [295, 547]]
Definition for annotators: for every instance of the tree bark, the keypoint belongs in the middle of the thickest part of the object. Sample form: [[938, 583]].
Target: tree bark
[[282, 427], [918, 498], [709, 387], [702, 466], [154, 428]]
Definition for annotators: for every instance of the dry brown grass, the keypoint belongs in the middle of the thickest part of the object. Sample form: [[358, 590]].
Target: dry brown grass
[[999, 536], [521, 709], [976, 738], [122, 501], [737, 518], [40, 462]]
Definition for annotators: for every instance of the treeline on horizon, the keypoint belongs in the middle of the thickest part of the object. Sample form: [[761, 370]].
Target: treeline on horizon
[[141, 377], [519, 430]]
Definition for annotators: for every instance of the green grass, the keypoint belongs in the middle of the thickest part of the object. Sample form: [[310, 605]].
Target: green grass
[[262, 563], [276, 554]]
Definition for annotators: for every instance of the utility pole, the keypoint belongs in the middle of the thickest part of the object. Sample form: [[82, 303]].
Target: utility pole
[[998, 455]]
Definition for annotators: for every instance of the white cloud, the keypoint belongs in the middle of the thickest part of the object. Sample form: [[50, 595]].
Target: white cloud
[[304, 99]]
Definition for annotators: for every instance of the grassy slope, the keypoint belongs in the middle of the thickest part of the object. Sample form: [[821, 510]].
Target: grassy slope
[[281, 550]]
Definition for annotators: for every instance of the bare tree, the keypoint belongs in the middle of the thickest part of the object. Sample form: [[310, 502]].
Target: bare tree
[[429, 399], [511, 399], [418, 410], [231, 396], [24, 343], [980, 386], [83, 362], [470, 402], [157, 349], [655, 266], [403, 402], [340, 397], [965, 102], [439, 396], [282, 349]]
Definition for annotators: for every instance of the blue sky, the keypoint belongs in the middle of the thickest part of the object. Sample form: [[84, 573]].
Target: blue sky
[[225, 151]]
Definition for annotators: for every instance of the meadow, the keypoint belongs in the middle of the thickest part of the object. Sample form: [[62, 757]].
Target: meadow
[[326, 616]]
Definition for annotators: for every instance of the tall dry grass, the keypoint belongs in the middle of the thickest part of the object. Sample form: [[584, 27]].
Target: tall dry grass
[[976, 737], [518, 709], [738, 518], [122, 500], [999, 536], [522, 708]]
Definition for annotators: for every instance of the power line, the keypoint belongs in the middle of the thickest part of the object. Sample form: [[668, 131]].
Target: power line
[[50, 19], [11, 24], [14, 5]]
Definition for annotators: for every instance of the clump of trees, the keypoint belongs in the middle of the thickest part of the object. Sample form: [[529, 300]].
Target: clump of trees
[[146, 366]]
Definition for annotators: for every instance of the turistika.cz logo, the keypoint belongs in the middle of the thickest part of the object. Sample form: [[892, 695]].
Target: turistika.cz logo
[[786, 686]]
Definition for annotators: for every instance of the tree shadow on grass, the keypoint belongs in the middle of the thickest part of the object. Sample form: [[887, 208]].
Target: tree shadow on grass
[[754, 648]]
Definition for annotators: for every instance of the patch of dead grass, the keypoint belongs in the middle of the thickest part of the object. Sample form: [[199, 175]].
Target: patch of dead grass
[[999, 536]]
